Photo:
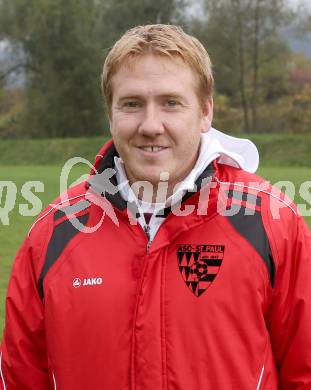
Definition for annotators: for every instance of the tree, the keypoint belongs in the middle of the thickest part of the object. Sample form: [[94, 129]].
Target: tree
[[62, 69], [64, 45], [243, 39], [117, 16]]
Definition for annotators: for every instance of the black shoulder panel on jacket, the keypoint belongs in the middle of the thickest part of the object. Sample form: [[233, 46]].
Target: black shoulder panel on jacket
[[72, 209], [62, 235], [250, 226]]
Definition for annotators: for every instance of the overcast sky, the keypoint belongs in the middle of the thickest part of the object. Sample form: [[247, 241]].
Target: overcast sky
[[294, 3]]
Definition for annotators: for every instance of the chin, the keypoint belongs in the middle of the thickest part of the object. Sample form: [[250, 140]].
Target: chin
[[150, 178], [145, 174]]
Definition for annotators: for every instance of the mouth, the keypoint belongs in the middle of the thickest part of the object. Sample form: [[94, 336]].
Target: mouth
[[152, 148]]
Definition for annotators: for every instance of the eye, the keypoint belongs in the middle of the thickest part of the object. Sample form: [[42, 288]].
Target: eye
[[131, 104], [171, 103]]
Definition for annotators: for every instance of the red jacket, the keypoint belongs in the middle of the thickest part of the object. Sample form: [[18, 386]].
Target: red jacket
[[220, 300]]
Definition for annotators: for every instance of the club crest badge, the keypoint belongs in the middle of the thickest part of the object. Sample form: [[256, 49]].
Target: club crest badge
[[199, 265]]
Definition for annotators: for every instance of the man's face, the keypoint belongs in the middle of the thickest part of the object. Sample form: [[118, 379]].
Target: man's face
[[156, 118]]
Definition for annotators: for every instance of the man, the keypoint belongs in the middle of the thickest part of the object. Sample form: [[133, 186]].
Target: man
[[173, 266]]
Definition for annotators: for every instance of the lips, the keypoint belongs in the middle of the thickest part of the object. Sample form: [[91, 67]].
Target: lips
[[152, 148]]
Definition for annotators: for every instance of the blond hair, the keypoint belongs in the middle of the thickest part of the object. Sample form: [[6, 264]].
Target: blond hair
[[159, 39]]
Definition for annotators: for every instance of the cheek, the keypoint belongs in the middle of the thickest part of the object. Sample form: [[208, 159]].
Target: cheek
[[191, 122], [188, 131], [189, 144], [123, 126]]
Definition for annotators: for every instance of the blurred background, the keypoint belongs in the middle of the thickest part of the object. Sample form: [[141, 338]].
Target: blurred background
[[52, 51]]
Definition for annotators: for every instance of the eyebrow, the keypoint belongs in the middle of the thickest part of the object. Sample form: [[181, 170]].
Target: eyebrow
[[165, 95], [127, 97]]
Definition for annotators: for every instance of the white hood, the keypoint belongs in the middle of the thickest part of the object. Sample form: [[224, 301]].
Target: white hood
[[238, 152]]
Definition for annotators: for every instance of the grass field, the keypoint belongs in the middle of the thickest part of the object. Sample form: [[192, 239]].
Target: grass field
[[278, 150], [11, 236]]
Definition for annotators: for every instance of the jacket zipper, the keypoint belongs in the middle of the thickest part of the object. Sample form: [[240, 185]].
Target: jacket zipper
[[147, 231]]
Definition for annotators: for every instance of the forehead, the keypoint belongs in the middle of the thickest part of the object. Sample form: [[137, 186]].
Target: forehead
[[153, 72]]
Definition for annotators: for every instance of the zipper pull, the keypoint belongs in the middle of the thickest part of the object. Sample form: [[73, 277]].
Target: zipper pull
[[147, 231]]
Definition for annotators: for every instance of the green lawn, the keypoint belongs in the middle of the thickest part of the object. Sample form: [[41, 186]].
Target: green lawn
[[11, 236], [297, 176]]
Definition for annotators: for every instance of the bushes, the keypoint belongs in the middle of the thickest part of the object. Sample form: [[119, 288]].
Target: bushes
[[11, 111]]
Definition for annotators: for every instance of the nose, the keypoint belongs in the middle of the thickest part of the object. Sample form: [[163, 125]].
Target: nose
[[151, 122]]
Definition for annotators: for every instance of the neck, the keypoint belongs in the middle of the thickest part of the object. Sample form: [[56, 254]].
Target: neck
[[153, 193]]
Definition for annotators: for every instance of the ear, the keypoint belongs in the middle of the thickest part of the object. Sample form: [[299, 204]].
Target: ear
[[109, 120], [207, 117]]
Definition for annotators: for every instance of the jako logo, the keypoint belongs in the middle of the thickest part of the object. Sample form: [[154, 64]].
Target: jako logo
[[86, 282]]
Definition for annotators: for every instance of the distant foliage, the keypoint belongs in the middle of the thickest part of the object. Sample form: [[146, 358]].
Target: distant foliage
[[62, 65], [301, 110], [64, 45], [261, 86], [250, 58]]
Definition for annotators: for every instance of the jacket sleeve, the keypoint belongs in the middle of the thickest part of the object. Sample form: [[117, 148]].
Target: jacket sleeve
[[290, 312], [24, 362]]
